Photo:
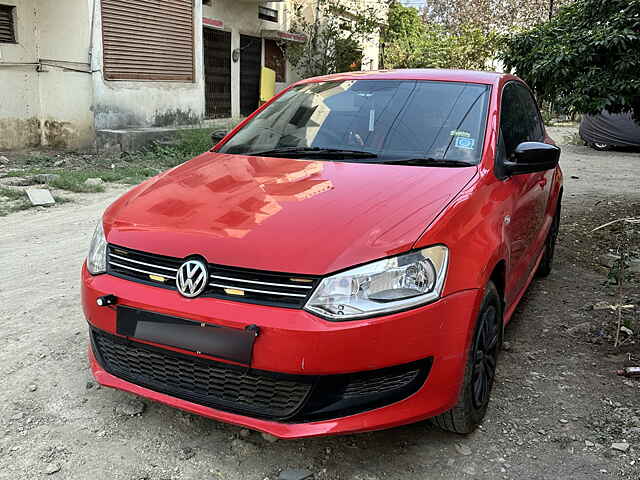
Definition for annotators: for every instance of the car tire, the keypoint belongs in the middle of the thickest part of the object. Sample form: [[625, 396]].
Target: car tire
[[479, 372], [546, 264], [601, 147]]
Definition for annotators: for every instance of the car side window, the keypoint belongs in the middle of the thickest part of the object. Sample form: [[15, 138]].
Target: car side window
[[519, 118]]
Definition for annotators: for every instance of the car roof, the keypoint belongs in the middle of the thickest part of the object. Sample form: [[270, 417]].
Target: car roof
[[471, 76]]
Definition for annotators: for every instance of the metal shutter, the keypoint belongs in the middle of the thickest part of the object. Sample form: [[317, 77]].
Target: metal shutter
[[7, 31], [148, 40]]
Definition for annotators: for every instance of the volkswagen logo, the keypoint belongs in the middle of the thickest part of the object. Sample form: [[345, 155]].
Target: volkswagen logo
[[192, 278]]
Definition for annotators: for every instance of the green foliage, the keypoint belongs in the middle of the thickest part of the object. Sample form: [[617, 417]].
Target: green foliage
[[130, 169], [587, 58], [411, 43], [334, 37]]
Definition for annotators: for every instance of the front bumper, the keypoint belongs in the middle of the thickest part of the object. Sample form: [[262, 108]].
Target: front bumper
[[294, 342]]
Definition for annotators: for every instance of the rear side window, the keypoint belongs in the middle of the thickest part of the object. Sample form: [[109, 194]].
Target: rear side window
[[519, 117]]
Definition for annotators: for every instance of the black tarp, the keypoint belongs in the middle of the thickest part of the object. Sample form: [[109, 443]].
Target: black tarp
[[615, 130]]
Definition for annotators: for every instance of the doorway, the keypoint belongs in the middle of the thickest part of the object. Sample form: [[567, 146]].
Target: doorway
[[217, 73], [250, 65]]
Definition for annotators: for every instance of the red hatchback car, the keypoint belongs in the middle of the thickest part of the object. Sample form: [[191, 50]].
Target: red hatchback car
[[345, 260]]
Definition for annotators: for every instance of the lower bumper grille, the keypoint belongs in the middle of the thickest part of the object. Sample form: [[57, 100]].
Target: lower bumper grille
[[251, 392], [213, 384]]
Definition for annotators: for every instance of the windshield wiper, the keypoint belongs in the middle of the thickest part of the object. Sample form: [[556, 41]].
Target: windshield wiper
[[429, 161], [315, 151]]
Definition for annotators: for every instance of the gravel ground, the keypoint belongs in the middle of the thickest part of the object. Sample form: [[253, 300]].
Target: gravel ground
[[557, 406]]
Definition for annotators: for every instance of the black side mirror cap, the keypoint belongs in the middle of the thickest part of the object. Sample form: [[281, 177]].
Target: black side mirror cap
[[530, 157], [218, 135]]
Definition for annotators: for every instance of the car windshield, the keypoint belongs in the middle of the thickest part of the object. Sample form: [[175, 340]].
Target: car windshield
[[373, 121]]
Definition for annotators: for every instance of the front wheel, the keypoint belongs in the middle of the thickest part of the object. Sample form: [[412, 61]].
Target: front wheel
[[480, 369], [601, 147]]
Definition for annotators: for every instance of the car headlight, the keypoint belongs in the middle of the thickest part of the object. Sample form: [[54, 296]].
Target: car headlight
[[381, 287], [97, 257]]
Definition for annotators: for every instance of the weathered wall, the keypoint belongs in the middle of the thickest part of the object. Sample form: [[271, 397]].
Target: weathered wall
[[65, 93], [125, 104], [19, 96], [46, 104]]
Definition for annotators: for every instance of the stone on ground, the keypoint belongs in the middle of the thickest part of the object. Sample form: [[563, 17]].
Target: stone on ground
[[93, 182], [40, 196], [295, 474]]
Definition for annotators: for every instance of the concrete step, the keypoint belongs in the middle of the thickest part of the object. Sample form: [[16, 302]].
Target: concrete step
[[129, 140]]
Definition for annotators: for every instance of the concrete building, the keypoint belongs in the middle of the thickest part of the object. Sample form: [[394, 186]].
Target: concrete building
[[75, 70]]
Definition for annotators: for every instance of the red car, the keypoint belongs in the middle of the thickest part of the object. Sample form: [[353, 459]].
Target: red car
[[345, 260]]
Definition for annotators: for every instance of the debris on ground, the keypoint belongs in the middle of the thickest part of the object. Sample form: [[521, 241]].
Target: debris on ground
[[186, 453], [581, 328], [629, 372], [52, 468], [44, 178], [620, 446], [130, 407], [626, 331], [603, 306], [93, 182], [40, 197], [269, 438], [462, 449], [295, 474]]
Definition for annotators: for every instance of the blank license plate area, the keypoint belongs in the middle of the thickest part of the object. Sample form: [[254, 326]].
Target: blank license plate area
[[216, 341]]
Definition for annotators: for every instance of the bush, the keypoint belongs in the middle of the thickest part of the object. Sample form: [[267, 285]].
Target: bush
[[585, 59]]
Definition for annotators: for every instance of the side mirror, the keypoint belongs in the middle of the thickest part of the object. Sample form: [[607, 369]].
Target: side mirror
[[533, 157], [218, 135]]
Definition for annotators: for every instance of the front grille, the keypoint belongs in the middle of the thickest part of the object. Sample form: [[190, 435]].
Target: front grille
[[205, 382], [254, 286], [379, 384]]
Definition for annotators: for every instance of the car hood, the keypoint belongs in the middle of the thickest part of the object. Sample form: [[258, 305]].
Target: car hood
[[287, 215]]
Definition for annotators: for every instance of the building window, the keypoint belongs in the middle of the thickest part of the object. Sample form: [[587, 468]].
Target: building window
[[268, 14], [148, 40], [7, 27]]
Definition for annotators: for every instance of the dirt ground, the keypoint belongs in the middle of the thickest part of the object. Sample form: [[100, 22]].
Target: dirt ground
[[556, 410]]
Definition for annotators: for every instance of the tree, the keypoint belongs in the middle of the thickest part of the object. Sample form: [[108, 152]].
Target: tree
[[490, 15], [334, 35], [409, 42], [585, 59]]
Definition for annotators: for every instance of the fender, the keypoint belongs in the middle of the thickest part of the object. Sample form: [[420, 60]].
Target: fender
[[472, 226]]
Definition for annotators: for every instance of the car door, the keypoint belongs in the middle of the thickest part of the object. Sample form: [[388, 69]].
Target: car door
[[520, 121]]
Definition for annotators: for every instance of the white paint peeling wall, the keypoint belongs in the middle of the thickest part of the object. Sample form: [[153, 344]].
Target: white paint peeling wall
[[19, 97], [46, 105], [65, 93], [126, 104]]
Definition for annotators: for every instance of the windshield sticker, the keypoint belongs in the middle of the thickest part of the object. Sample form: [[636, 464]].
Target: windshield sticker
[[459, 133], [372, 119], [464, 142]]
